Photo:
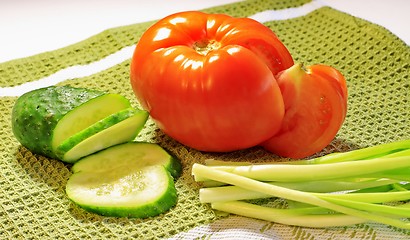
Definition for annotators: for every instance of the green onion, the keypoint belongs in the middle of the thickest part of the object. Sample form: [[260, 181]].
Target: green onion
[[232, 193], [276, 191], [338, 189], [388, 210], [361, 154], [286, 216], [297, 173]]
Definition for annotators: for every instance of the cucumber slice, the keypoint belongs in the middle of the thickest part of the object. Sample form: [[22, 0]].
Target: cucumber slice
[[87, 114], [127, 180], [124, 192], [117, 128], [43, 118], [131, 154]]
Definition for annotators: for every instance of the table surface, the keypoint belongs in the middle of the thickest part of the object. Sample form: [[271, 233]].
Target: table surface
[[31, 27]]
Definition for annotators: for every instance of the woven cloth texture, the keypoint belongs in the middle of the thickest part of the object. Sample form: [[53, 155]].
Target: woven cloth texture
[[33, 203]]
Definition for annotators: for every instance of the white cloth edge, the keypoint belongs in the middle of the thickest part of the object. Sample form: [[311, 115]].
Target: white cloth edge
[[125, 53]]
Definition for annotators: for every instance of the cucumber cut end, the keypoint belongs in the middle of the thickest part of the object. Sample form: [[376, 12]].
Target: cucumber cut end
[[126, 192], [87, 114], [134, 179], [35, 114], [136, 154], [118, 128]]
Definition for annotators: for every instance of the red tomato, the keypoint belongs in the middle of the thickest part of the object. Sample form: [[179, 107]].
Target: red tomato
[[315, 100], [208, 80]]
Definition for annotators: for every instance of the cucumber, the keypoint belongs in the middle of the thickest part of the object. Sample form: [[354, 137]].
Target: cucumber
[[87, 114], [126, 192], [130, 154], [117, 128], [43, 118], [92, 129], [126, 180]]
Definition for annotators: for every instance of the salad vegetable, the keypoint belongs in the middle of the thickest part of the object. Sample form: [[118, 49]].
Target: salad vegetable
[[126, 180], [315, 100], [369, 184], [208, 79], [217, 83], [112, 174], [67, 123]]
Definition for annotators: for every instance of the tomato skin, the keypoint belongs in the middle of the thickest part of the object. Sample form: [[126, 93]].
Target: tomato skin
[[208, 80], [315, 100]]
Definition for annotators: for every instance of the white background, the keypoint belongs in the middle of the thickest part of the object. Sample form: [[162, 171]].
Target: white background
[[28, 27]]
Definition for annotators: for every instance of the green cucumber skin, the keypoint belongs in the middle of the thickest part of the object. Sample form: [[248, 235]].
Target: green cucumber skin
[[160, 205], [97, 172], [98, 161], [36, 113], [99, 127], [86, 115], [174, 166]]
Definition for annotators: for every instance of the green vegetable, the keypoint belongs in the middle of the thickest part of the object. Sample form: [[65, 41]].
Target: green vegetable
[[392, 149], [231, 193], [298, 173], [52, 121], [126, 180], [299, 217], [112, 175], [119, 127], [36, 114], [132, 155], [353, 187]]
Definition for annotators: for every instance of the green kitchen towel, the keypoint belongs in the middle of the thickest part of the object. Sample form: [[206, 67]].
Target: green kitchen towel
[[33, 203]]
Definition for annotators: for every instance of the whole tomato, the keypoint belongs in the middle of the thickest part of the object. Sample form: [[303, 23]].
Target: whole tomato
[[315, 100], [208, 81]]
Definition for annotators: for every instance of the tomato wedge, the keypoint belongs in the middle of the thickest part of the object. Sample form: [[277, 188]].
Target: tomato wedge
[[207, 80], [315, 100]]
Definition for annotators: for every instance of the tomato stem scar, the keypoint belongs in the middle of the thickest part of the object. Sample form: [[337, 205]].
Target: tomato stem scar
[[203, 47]]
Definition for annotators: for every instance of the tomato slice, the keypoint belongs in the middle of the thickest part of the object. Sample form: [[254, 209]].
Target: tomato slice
[[315, 100], [208, 81]]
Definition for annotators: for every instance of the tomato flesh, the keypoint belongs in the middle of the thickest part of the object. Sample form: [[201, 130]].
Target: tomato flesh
[[315, 107]]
